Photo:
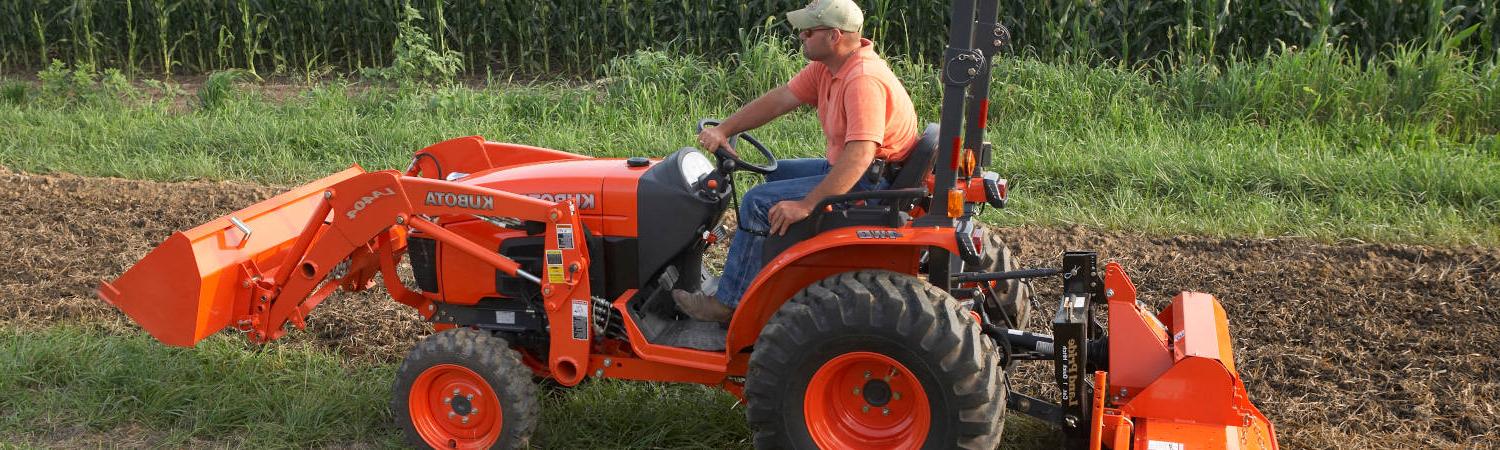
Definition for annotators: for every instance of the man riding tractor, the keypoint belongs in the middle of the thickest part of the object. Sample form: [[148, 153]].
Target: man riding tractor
[[868, 122], [870, 308]]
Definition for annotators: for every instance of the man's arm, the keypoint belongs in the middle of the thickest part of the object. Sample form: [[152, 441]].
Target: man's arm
[[847, 170], [768, 106]]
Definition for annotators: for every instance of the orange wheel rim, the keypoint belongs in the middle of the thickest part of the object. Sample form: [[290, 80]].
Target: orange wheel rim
[[453, 407], [866, 400]]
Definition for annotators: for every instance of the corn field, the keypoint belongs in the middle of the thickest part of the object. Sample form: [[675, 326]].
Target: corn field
[[577, 36]]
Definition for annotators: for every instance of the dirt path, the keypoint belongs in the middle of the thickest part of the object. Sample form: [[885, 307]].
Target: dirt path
[[1353, 346]]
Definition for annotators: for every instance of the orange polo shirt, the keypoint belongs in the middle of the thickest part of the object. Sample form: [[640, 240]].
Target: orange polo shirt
[[864, 101]]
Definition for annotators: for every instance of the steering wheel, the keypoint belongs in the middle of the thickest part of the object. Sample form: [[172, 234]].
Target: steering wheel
[[740, 163]]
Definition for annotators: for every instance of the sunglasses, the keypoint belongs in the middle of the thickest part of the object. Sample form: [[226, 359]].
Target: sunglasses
[[808, 33]]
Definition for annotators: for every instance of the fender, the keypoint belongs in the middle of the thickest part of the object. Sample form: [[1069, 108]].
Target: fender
[[834, 251]]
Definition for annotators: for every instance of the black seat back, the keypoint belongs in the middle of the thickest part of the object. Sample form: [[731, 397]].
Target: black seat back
[[919, 161]]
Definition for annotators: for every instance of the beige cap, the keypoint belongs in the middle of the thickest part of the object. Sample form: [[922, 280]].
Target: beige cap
[[840, 14]]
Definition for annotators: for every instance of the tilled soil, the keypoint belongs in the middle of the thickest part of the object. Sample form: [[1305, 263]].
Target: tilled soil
[[1353, 345]]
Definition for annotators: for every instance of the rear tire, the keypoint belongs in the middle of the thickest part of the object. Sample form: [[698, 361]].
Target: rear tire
[[926, 377], [464, 388], [1013, 297]]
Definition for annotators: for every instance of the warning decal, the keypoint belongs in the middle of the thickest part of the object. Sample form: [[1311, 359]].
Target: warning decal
[[555, 267], [565, 237], [580, 320]]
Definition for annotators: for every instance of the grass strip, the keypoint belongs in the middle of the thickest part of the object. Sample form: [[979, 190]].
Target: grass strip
[[71, 386], [65, 383], [1296, 144]]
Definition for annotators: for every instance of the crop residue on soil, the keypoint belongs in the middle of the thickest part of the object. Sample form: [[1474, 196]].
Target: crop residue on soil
[[1353, 346]]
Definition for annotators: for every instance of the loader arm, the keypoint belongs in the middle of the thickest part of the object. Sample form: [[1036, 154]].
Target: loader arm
[[356, 228], [360, 210]]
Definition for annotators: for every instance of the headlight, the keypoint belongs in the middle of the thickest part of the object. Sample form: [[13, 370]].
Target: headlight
[[694, 166]]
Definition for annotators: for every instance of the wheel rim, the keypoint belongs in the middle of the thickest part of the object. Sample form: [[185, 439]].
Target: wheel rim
[[452, 406], [866, 400]]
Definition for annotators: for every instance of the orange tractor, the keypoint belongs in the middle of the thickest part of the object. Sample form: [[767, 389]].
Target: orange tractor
[[887, 319]]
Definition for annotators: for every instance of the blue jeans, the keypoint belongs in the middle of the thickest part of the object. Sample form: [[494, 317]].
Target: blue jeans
[[792, 180]]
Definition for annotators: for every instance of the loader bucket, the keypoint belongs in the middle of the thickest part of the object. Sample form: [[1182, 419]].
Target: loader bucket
[[193, 284]]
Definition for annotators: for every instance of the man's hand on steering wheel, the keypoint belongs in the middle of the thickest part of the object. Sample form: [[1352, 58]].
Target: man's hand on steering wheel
[[712, 138], [722, 147]]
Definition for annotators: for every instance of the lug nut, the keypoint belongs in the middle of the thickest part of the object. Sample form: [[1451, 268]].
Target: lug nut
[[856, 391], [867, 374], [885, 411], [470, 397], [896, 395], [448, 400], [466, 419], [451, 414], [865, 408], [455, 391]]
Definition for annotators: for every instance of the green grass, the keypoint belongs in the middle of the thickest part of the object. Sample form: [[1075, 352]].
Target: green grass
[[65, 380], [65, 383], [72, 385], [1298, 143]]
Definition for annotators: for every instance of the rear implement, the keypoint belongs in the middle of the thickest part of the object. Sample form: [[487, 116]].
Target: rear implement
[[1163, 380]]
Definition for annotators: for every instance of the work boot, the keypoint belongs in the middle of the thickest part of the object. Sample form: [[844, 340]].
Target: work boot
[[702, 307]]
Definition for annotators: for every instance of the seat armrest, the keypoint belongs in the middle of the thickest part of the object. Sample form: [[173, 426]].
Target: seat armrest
[[890, 194]]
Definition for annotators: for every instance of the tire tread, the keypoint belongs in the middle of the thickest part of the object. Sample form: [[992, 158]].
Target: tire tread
[[906, 308]]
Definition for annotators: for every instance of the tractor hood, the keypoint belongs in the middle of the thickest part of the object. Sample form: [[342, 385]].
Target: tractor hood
[[647, 212], [607, 192], [601, 189]]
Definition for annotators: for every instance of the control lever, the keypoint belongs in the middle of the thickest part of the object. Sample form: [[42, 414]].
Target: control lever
[[716, 234]]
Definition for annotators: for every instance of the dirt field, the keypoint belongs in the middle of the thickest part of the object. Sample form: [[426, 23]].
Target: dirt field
[[1352, 346]]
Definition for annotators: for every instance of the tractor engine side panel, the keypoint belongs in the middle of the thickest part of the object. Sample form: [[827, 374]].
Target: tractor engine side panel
[[464, 279]]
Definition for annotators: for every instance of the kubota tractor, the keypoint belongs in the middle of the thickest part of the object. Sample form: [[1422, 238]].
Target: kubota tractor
[[887, 319]]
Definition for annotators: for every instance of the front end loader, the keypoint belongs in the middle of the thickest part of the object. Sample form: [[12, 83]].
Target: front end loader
[[886, 319]]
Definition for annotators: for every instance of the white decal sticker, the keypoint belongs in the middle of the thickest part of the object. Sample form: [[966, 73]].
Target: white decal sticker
[[580, 320], [1164, 445], [505, 317], [565, 237]]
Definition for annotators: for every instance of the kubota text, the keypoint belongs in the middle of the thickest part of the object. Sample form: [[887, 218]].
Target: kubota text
[[452, 200]]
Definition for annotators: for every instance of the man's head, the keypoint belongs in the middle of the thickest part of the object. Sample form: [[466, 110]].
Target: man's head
[[828, 28]]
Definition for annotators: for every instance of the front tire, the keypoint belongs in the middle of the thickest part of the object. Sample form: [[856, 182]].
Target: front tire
[[874, 359], [464, 388]]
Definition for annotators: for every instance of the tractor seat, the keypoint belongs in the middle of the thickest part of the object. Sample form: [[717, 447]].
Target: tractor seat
[[918, 163], [907, 174]]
